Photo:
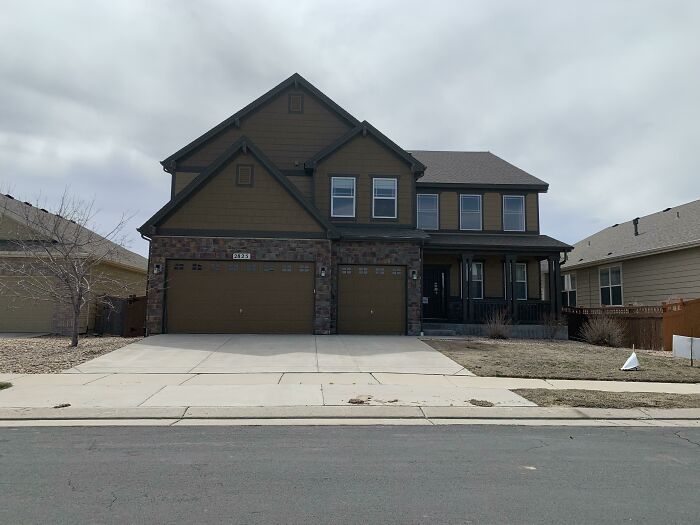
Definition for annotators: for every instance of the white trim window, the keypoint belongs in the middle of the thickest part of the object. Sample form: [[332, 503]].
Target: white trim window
[[427, 211], [521, 281], [476, 281], [470, 212], [611, 286], [343, 197], [568, 290], [384, 198], [514, 213]]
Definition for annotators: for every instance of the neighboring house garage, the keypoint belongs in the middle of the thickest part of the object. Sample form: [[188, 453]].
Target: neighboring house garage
[[239, 296]]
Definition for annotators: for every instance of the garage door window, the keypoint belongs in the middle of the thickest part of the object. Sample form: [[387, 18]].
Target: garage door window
[[179, 266], [196, 267], [286, 267], [304, 268], [362, 270], [233, 267], [250, 267]]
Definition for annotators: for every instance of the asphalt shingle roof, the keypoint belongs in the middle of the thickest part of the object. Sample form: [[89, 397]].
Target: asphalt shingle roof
[[496, 241], [21, 211], [670, 229], [472, 167]]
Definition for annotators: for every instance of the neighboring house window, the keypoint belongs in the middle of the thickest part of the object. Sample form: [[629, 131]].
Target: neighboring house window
[[520, 281], [568, 293], [342, 196], [384, 198], [611, 286], [470, 212], [427, 211], [514, 213], [476, 283]]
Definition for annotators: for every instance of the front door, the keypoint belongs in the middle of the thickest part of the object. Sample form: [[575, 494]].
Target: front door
[[435, 286]]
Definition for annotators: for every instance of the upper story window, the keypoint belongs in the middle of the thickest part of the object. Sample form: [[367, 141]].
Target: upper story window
[[568, 290], [384, 198], [470, 212], [342, 196], [611, 286], [514, 213], [427, 211]]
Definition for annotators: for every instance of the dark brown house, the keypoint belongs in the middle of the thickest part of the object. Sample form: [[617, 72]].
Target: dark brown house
[[293, 216]]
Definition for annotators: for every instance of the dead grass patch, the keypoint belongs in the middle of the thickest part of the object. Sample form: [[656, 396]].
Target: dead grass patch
[[562, 360], [598, 399], [50, 354]]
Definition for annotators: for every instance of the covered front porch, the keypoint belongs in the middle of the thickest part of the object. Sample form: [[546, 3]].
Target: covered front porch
[[467, 286]]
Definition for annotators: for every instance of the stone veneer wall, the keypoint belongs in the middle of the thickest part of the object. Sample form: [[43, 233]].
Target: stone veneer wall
[[382, 252], [213, 248]]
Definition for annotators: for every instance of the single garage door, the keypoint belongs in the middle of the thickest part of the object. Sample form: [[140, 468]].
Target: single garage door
[[23, 315], [371, 299], [239, 297]]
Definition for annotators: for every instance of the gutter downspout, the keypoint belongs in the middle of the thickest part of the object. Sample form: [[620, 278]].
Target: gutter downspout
[[148, 276]]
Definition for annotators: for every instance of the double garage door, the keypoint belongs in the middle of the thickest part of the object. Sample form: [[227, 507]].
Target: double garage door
[[239, 297], [278, 297]]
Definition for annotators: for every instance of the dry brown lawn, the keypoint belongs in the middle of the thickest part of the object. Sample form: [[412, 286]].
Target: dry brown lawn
[[49, 354], [597, 399], [562, 360]]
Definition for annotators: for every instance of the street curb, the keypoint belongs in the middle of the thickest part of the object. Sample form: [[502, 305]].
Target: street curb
[[347, 412]]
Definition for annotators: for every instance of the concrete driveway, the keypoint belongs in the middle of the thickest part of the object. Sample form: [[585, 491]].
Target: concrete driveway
[[245, 354]]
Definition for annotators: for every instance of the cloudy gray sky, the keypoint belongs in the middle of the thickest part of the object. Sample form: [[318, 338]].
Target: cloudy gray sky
[[600, 99]]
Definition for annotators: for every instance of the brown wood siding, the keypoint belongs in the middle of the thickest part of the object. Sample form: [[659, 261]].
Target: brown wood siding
[[492, 211], [531, 209], [370, 302], [366, 158], [493, 277], [454, 264], [449, 210], [288, 139], [533, 279], [304, 183], [222, 205], [182, 179]]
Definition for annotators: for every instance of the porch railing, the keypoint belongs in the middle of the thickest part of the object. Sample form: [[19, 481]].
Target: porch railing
[[528, 312]]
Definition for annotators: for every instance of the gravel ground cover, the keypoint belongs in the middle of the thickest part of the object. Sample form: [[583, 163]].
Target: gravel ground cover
[[598, 399], [49, 354], [562, 360]]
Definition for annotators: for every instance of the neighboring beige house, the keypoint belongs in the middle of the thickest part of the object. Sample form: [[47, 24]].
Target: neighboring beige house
[[646, 261], [25, 315]]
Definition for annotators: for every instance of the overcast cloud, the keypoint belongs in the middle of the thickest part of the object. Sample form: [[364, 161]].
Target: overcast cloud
[[600, 99]]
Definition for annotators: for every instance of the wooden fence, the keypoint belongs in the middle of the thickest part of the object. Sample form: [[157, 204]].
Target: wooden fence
[[643, 325], [121, 316], [681, 318]]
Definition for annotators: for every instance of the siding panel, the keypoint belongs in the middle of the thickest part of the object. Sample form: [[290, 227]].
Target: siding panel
[[531, 209], [492, 211], [449, 210]]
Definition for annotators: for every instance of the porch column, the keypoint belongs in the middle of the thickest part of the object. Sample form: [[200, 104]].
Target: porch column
[[557, 285], [510, 286], [552, 286], [467, 306]]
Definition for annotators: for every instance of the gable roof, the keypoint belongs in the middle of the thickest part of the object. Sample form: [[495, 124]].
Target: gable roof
[[295, 80], [246, 145], [366, 128], [671, 229], [479, 168], [22, 213]]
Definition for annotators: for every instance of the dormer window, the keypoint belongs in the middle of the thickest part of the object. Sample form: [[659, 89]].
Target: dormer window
[[343, 197], [384, 198], [514, 213]]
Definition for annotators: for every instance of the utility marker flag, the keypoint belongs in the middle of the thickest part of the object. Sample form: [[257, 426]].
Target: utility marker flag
[[632, 363]]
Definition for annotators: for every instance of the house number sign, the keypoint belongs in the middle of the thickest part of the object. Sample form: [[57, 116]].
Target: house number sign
[[241, 255]]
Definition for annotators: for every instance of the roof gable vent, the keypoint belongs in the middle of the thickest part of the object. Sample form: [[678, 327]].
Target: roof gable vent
[[296, 103]]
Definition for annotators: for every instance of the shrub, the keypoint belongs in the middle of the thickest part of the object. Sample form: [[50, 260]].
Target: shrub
[[603, 331], [551, 325], [498, 324]]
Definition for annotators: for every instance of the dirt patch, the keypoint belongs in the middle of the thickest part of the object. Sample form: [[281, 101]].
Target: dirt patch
[[4, 385], [480, 403], [562, 360], [49, 354], [597, 399]]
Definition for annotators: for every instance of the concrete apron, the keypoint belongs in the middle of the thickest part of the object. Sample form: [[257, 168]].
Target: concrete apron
[[348, 415]]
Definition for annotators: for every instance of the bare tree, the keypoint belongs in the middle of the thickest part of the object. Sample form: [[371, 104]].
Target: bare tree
[[57, 256]]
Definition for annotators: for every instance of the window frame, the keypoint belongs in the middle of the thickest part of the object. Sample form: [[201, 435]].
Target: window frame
[[508, 273], [470, 280], [610, 286], [353, 197], [395, 198], [567, 289], [481, 212], [503, 212], [437, 210]]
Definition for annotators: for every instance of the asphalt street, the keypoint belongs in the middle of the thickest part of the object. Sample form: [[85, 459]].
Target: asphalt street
[[470, 474]]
